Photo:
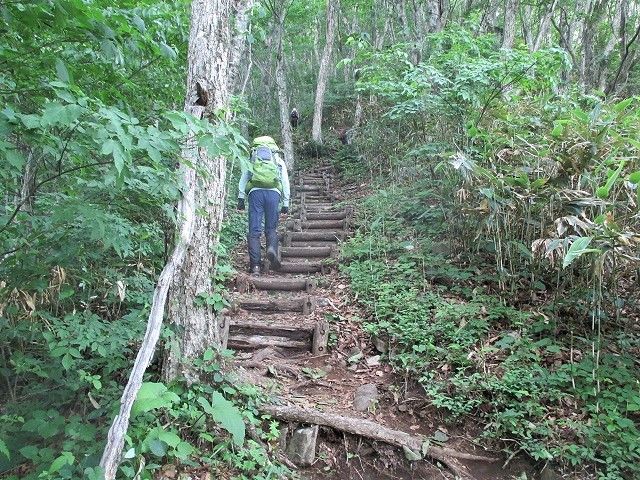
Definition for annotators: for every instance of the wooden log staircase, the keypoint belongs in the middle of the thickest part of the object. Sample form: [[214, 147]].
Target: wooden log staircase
[[275, 309]]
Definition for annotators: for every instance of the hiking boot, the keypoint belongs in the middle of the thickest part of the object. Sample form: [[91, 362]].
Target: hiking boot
[[255, 270], [272, 256]]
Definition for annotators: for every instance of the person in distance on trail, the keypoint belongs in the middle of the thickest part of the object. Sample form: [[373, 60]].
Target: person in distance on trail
[[294, 118], [265, 185]]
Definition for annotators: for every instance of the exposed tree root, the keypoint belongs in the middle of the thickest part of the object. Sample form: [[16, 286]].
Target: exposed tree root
[[366, 428]]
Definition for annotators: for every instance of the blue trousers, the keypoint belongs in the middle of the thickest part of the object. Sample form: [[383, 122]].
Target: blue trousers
[[263, 204]]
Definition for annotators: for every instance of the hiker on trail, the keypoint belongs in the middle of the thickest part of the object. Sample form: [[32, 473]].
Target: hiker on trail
[[294, 118], [265, 185]]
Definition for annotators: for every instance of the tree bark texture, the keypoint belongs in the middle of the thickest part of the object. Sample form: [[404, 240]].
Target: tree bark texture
[[438, 12], [241, 10], [188, 309], [283, 100], [509, 32], [189, 263], [489, 17], [544, 27], [323, 71]]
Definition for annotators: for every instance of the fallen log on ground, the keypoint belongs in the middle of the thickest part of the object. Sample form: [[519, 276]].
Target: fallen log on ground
[[366, 428]]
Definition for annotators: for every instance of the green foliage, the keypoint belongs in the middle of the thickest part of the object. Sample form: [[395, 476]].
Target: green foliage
[[557, 398], [92, 140]]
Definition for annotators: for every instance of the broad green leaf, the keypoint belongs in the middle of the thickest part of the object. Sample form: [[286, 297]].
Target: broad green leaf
[[539, 183], [623, 104], [184, 450], [118, 156], [634, 177], [52, 114], [30, 121], [557, 129], [440, 436], [67, 361], [4, 450], [58, 352], [602, 193], [614, 176], [30, 452], [139, 23], [410, 454], [67, 458], [65, 292], [65, 95], [75, 353], [61, 71], [158, 448], [581, 115], [226, 414], [169, 438], [153, 395], [167, 51], [578, 248], [15, 159]]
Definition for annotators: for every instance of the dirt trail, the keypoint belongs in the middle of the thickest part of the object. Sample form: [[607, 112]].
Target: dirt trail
[[296, 334]]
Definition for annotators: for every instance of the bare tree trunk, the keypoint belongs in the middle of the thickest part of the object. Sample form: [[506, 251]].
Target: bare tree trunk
[[28, 187], [588, 40], [400, 7], [206, 90], [509, 33], [489, 17], [378, 38], [241, 10], [189, 309], [628, 54], [419, 19], [111, 456], [281, 82], [316, 39], [615, 39], [323, 71], [545, 26], [526, 27], [438, 11]]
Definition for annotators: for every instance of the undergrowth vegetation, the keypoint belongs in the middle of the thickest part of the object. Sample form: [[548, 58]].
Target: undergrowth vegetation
[[70, 370], [499, 256]]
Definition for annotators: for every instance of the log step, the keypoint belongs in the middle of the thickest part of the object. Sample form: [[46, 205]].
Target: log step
[[250, 342], [265, 327], [317, 216], [306, 304], [298, 225], [311, 187], [244, 283], [308, 252], [309, 243], [313, 235], [301, 267]]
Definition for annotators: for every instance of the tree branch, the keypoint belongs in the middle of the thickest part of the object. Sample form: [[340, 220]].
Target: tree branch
[[625, 57]]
